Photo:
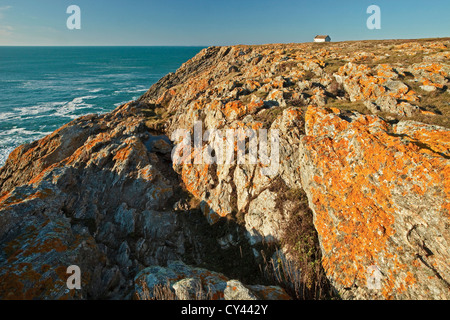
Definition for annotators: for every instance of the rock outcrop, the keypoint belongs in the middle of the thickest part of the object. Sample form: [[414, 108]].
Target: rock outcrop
[[357, 132], [188, 283], [99, 193]]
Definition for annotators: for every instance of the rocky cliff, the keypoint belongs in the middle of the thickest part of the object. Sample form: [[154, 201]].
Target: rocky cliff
[[360, 190]]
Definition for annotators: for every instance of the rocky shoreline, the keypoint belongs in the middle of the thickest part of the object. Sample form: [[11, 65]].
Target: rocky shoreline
[[363, 181]]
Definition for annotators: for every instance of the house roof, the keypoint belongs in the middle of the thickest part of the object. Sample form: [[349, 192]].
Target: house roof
[[321, 37]]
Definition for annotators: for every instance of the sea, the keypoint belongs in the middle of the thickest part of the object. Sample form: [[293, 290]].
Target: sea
[[43, 88]]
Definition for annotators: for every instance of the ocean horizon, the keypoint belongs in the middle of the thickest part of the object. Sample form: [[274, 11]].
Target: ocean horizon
[[44, 87]]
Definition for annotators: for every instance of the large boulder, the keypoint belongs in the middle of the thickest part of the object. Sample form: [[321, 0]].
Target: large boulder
[[380, 194]]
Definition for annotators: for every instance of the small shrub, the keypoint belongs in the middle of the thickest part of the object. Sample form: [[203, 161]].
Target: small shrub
[[301, 274]]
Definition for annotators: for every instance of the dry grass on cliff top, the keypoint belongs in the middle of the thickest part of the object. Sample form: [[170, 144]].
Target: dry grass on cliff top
[[437, 102]]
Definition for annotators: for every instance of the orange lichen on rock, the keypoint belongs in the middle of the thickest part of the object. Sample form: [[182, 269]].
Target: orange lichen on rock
[[428, 82], [359, 165], [438, 141], [252, 85], [166, 97], [26, 279], [12, 285], [385, 71], [235, 109], [123, 153], [361, 83], [82, 153], [195, 176], [432, 68], [4, 196], [42, 174], [13, 198], [255, 105]]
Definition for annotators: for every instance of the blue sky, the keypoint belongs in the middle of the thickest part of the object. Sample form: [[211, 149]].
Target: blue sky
[[216, 22]]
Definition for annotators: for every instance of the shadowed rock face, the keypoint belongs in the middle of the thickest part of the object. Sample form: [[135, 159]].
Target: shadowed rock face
[[91, 195], [102, 192]]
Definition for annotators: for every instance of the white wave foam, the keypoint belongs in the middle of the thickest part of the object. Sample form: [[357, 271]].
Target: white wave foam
[[136, 89], [7, 115], [12, 80], [38, 109], [67, 110], [11, 139], [120, 103], [60, 108], [14, 133], [41, 84], [4, 154]]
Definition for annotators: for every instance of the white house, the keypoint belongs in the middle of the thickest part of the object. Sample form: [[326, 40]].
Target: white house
[[322, 39]]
